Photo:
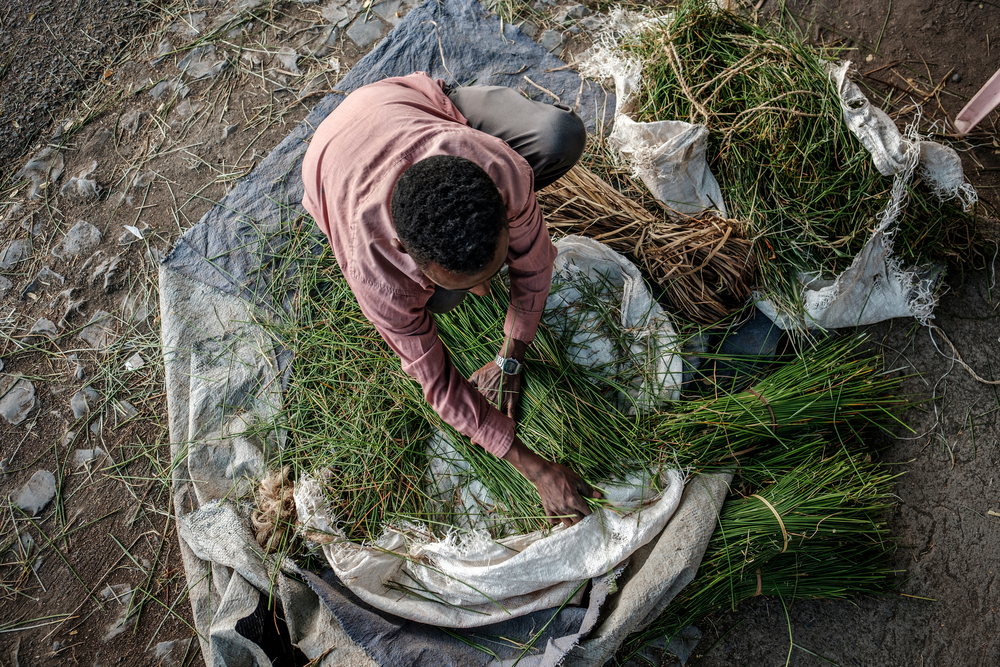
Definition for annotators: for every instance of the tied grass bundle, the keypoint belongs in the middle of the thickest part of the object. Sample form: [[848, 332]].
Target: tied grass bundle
[[703, 264], [357, 421], [806, 189], [818, 531]]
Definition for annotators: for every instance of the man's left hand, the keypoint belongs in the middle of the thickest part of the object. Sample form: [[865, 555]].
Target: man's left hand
[[489, 378]]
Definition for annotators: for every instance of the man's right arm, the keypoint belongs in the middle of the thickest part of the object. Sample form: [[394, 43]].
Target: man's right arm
[[562, 491]]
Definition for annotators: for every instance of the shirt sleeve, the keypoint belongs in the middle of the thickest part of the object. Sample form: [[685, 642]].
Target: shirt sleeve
[[409, 330]]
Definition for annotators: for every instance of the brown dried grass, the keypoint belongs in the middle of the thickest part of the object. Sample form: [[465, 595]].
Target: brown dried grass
[[703, 263]]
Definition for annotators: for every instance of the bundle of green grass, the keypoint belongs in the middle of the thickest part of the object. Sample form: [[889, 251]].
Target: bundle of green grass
[[806, 501], [806, 190]]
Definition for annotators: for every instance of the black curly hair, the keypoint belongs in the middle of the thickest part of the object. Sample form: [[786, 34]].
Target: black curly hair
[[447, 210]]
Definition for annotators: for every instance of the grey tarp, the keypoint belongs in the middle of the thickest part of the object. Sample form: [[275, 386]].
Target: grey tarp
[[223, 377]]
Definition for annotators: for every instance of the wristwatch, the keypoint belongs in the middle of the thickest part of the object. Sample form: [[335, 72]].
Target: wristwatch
[[509, 366]]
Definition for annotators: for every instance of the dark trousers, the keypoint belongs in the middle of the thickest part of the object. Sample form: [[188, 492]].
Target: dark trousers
[[550, 137]]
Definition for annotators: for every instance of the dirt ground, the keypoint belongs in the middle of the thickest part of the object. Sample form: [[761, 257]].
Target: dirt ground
[[99, 581]]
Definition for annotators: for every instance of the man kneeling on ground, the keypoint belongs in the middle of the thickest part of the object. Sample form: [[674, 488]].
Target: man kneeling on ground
[[425, 193]]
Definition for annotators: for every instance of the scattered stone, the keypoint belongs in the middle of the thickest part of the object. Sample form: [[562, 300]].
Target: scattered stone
[[82, 238], [31, 226], [96, 141], [3, 466], [82, 187], [365, 30], [570, 13], [188, 25], [99, 331], [27, 544], [529, 29], [16, 251], [956, 78], [134, 362], [593, 23], [5, 286], [97, 426], [169, 87], [135, 308], [72, 306], [133, 234], [162, 49], [289, 58], [83, 402], [227, 131], [36, 493], [335, 13], [550, 40], [17, 398], [124, 410], [172, 654], [131, 120], [42, 330], [187, 108], [81, 457], [12, 214], [201, 62], [45, 167], [122, 594], [142, 180], [45, 278], [391, 11]]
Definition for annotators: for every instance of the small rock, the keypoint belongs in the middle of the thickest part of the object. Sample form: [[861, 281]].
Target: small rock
[[31, 226], [17, 398], [186, 109], [169, 88], [956, 78], [12, 214], [27, 545], [365, 30], [108, 269], [36, 493], [81, 457], [122, 594], [82, 238], [5, 286], [593, 23], [529, 29], [133, 234], [142, 180], [97, 426], [124, 411], [84, 401], [45, 167], [570, 13], [99, 331], [227, 131], [16, 251], [131, 120], [72, 306], [288, 57], [80, 186], [41, 330], [201, 62], [391, 11], [45, 278], [172, 654], [550, 40], [335, 13], [134, 362]]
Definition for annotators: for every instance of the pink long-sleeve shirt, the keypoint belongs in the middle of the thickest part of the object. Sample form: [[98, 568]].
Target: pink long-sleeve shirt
[[349, 171]]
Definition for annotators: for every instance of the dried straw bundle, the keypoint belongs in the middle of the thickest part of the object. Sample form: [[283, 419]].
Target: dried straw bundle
[[703, 264]]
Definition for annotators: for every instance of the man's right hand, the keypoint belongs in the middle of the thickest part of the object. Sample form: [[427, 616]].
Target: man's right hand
[[560, 488]]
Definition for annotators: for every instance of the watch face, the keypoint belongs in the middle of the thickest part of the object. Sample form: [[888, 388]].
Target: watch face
[[510, 366]]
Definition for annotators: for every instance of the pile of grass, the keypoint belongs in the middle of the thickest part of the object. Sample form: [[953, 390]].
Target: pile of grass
[[353, 416], [703, 264], [804, 187]]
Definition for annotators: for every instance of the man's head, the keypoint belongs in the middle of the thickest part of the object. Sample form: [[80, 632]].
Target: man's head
[[450, 217]]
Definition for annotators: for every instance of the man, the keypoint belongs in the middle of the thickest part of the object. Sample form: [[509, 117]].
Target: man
[[425, 194]]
